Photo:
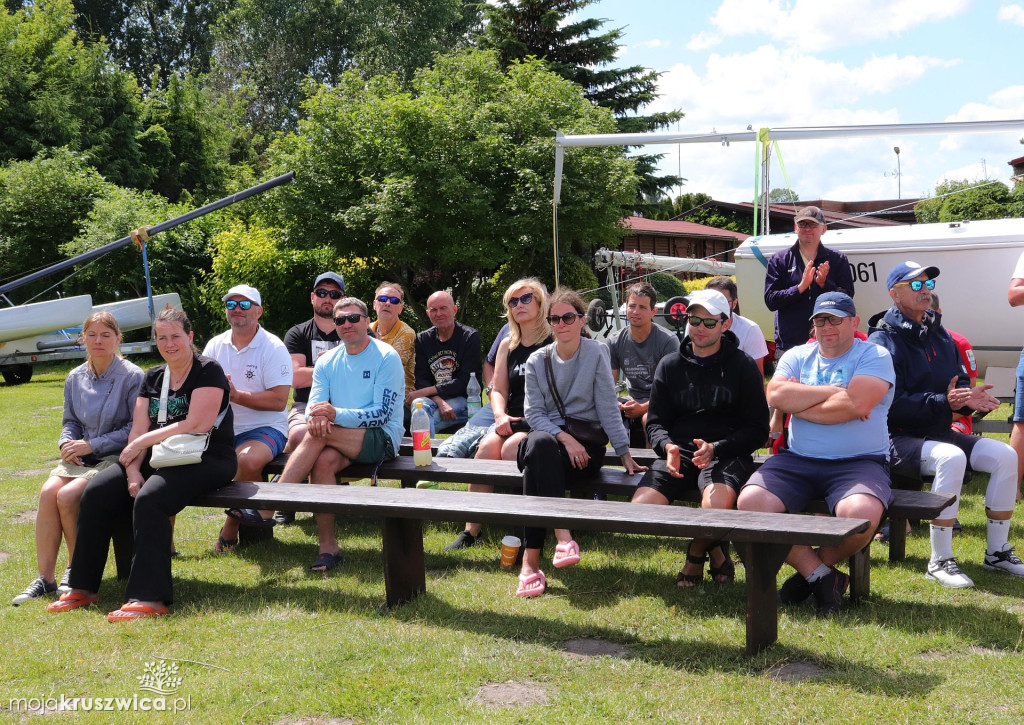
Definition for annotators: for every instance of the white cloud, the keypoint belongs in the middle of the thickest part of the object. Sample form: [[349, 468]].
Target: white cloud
[[814, 25], [1012, 14], [703, 40]]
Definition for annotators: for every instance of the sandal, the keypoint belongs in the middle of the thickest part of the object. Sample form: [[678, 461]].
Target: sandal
[[225, 546], [533, 585], [250, 517], [727, 568], [326, 561], [134, 610], [566, 554], [72, 600], [690, 580]]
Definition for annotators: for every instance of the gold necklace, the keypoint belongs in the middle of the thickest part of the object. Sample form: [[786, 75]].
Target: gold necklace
[[181, 378]]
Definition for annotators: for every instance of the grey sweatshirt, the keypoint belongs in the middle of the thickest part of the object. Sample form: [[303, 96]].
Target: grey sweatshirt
[[100, 409], [587, 390]]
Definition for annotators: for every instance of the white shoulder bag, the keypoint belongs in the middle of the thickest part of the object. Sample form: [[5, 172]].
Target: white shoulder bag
[[185, 448]]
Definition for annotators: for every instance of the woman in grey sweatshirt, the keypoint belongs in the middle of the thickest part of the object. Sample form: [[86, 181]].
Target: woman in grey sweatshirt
[[576, 370]]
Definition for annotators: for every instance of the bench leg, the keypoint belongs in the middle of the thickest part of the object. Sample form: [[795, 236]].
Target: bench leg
[[405, 573], [762, 563], [897, 538], [860, 574]]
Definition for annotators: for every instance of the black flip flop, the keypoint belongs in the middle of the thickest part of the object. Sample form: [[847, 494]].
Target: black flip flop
[[325, 562], [250, 517]]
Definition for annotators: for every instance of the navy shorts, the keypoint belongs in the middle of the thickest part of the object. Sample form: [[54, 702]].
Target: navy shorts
[[797, 480], [270, 437], [733, 472]]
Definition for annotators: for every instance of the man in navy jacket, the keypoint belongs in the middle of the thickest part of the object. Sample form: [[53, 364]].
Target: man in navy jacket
[[795, 277], [931, 386]]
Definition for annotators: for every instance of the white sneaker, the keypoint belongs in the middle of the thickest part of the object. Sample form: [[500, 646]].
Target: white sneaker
[[1005, 560], [948, 574]]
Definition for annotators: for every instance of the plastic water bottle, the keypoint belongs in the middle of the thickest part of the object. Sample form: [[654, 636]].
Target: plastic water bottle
[[473, 400], [420, 428]]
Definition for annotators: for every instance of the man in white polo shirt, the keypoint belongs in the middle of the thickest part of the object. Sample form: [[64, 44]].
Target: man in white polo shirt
[[259, 370]]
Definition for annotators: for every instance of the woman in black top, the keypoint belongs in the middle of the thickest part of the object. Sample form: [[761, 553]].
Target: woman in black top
[[198, 394], [526, 307]]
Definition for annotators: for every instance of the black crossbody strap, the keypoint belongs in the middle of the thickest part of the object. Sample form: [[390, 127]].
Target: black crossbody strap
[[551, 383]]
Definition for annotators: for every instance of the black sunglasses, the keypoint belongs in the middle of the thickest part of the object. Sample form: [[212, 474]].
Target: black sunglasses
[[332, 293], [389, 298], [232, 304], [568, 318], [352, 319], [525, 299], [830, 319], [708, 322]]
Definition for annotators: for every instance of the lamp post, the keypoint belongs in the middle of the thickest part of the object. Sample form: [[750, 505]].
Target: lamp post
[[899, 190]]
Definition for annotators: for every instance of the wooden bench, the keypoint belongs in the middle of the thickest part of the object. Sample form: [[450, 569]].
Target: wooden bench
[[908, 504], [1004, 381], [762, 540]]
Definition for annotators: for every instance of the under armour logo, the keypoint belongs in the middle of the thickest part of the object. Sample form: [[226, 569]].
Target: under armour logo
[[366, 375]]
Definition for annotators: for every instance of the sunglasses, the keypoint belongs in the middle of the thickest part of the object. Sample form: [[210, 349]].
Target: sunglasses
[[351, 319], [830, 319], [917, 284], [806, 224], [389, 298], [332, 293], [708, 322], [525, 299], [568, 318], [232, 304]]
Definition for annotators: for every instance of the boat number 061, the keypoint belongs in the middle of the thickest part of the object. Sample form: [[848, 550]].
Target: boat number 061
[[864, 271]]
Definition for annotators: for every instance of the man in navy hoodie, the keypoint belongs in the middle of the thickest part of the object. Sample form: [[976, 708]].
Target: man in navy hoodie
[[707, 415], [797, 276], [932, 386]]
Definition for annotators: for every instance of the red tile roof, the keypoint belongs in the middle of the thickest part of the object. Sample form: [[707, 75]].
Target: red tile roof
[[679, 228]]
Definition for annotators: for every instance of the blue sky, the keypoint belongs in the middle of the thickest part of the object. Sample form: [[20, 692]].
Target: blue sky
[[779, 63]]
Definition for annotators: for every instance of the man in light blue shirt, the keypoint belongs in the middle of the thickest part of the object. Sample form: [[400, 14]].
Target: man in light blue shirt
[[354, 413], [838, 390]]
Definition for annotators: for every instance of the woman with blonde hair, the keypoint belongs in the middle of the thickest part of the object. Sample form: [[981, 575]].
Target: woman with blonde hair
[[189, 393], [526, 307], [99, 396]]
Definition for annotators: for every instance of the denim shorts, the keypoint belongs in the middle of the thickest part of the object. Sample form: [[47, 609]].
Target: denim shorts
[[272, 438]]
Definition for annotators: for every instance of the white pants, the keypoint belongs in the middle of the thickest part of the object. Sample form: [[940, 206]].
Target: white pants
[[948, 463]]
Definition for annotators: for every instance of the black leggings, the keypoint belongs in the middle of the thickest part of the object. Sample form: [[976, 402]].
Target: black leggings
[[546, 471], [165, 492]]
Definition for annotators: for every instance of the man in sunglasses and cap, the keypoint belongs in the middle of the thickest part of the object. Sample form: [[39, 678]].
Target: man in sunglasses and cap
[[797, 276], [706, 418], [932, 387], [306, 342], [259, 371], [837, 390]]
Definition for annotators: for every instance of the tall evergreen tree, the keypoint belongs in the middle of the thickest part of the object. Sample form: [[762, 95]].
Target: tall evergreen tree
[[583, 52]]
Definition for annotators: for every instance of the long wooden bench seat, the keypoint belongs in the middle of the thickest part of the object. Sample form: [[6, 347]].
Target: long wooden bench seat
[[505, 475], [762, 540]]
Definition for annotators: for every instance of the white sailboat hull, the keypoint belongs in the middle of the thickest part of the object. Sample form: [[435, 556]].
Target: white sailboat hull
[[40, 318]]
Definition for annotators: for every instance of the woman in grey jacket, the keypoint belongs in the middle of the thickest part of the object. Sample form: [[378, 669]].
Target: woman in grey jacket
[[568, 384], [99, 396]]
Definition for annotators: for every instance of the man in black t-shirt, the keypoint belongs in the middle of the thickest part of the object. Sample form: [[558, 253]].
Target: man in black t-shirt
[[306, 342], [445, 356]]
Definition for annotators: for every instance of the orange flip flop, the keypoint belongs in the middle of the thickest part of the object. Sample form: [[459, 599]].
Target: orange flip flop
[[135, 610], [72, 600]]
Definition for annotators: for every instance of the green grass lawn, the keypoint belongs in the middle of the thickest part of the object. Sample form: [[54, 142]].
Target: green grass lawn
[[256, 638]]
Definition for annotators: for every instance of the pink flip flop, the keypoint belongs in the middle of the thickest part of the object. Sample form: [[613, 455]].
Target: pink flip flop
[[533, 585], [566, 554], [134, 610]]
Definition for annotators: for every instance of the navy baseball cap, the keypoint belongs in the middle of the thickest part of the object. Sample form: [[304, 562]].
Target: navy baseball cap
[[838, 304], [331, 277], [909, 270]]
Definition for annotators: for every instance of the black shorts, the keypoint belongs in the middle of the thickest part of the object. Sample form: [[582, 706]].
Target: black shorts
[[733, 472]]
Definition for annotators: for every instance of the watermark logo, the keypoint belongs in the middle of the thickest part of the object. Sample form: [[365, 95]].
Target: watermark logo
[[160, 678]]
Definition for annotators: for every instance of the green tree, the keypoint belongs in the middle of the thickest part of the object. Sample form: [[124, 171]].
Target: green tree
[[55, 91], [441, 185], [43, 203], [956, 200], [779, 195], [582, 52]]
